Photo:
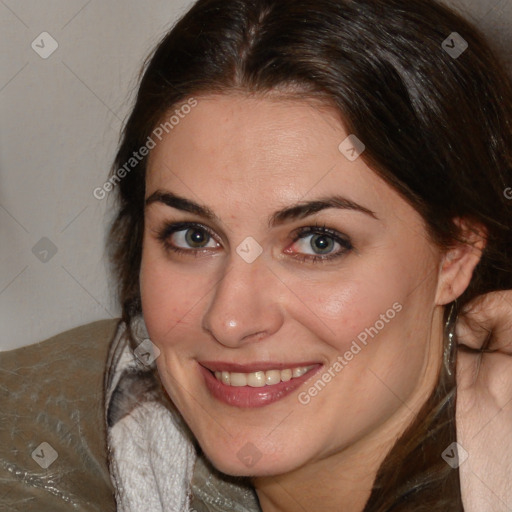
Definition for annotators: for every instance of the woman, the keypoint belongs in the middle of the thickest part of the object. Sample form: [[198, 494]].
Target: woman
[[310, 193]]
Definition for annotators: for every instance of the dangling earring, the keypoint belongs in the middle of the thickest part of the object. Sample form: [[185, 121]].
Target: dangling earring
[[450, 342]]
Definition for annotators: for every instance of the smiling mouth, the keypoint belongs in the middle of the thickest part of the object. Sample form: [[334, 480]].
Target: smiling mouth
[[260, 379], [266, 384]]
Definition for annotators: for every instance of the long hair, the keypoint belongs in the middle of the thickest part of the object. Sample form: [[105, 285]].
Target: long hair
[[418, 85]]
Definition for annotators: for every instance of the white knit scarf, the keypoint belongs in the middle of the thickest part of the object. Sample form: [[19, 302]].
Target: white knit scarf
[[151, 455]]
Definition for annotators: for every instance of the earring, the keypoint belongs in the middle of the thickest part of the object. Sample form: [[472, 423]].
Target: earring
[[450, 342]]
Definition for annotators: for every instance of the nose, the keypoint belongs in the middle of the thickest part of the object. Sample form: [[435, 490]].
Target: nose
[[245, 305]]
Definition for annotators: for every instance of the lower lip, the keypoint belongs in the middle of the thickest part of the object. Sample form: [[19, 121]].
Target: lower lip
[[247, 396]]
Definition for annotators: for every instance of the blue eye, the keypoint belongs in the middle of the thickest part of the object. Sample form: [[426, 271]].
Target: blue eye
[[196, 238], [186, 237], [311, 243], [319, 243]]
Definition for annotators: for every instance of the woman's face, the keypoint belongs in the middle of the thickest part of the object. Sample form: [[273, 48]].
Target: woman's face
[[269, 247]]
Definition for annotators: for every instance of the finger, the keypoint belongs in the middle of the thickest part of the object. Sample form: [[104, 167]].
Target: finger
[[486, 322]]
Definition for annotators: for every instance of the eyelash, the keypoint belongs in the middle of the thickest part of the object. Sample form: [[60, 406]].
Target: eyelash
[[346, 246], [342, 240], [169, 229]]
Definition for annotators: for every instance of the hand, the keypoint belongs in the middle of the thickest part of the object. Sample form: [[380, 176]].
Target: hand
[[484, 402]]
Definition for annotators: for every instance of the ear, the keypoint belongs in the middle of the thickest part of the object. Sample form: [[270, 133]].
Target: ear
[[459, 261]]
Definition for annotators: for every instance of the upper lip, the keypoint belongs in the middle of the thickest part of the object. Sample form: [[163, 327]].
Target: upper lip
[[221, 366]]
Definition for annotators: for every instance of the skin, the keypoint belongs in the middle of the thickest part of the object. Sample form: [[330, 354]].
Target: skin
[[246, 158], [484, 402]]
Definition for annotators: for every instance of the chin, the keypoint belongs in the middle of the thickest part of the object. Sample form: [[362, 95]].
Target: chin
[[249, 461], [237, 469]]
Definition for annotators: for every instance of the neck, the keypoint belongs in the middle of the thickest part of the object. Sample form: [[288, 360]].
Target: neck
[[341, 485]]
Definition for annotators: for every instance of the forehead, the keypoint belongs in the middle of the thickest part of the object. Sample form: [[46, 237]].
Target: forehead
[[260, 152]]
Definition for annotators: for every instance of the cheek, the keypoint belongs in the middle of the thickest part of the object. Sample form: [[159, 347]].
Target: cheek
[[339, 310], [385, 294], [169, 298]]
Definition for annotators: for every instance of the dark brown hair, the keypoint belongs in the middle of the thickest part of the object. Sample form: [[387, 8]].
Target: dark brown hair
[[436, 126]]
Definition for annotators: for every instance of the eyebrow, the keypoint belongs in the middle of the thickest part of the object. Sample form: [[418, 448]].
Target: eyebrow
[[307, 208], [299, 210], [181, 203]]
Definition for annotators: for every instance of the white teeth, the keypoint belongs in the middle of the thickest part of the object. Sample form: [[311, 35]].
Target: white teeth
[[272, 377], [256, 379], [260, 378], [237, 379], [297, 372], [223, 377], [286, 375]]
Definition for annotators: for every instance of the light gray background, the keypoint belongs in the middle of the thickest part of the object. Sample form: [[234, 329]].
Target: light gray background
[[61, 121]]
